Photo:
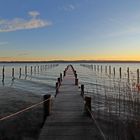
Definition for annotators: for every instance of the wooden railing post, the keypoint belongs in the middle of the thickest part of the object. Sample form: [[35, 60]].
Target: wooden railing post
[[19, 73], [120, 72], [76, 81], [13, 74], [138, 73], [75, 75], [64, 73], [114, 71], [82, 90], [59, 81], [3, 74], [128, 75], [25, 70], [47, 105], [31, 70], [57, 90], [109, 70], [87, 105], [61, 77]]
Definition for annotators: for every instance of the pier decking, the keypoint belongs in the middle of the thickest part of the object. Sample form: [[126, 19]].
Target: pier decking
[[67, 120]]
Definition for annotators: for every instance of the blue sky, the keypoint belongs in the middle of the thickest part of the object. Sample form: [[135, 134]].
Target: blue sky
[[69, 29]]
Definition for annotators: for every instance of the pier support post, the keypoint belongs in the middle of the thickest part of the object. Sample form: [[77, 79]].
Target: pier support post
[[13, 74], [61, 77], [3, 75], [31, 70], [120, 72], [76, 81], [128, 75], [64, 73], [76, 75], [47, 105], [82, 90], [109, 70], [25, 70], [19, 73], [57, 90], [59, 81], [114, 71], [87, 104], [138, 73]]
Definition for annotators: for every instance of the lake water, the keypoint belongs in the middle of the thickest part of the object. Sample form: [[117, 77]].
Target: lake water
[[114, 98], [42, 80]]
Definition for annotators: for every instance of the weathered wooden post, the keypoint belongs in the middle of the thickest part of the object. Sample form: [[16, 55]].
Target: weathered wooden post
[[59, 81], [19, 73], [34, 69], [25, 70], [114, 71], [47, 105], [76, 81], [13, 74], [120, 72], [61, 77], [38, 69], [106, 69], [94, 67], [88, 105], [75, 75], [57, 89], [74, 72], [138, 73], [3, 74], [109, 70], [64, 73], [31, 70], [101, 69], [82, 90], [98, 68], [128, 74]]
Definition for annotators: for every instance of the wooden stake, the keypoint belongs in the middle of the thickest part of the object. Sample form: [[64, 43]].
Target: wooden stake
[[19, 73], [87, 104], [120, 70], [82, 90], [138, 73], [3, 74], [47, 105]]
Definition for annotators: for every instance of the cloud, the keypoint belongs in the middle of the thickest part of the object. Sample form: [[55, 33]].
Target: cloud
[[124, 32], [69, 7], [23, 24], [23, 54], [34, 14], [3, 43]]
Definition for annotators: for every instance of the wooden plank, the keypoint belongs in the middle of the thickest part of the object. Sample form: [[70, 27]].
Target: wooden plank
[[67, 120]]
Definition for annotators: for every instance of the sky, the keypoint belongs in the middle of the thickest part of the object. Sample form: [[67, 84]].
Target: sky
[[34, 30]]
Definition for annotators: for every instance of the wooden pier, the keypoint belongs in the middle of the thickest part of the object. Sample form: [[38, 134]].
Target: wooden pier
[[68, 119]]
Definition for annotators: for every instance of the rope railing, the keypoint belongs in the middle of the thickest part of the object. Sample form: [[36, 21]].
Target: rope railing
[[32, 106], [24, 110], [96, 123]]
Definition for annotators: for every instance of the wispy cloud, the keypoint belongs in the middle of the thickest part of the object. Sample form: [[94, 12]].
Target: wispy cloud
[[69, 7], [3, 43], [123, 27], [23, 24], [128, 31], [23, 54]]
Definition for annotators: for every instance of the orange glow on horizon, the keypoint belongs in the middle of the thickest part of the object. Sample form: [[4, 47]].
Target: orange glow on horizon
[[51, 58]]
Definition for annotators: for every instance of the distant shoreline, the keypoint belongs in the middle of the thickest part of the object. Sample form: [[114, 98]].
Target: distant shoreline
[[76, 61]]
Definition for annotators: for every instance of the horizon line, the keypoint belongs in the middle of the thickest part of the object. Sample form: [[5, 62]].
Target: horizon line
[[76, 61]]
